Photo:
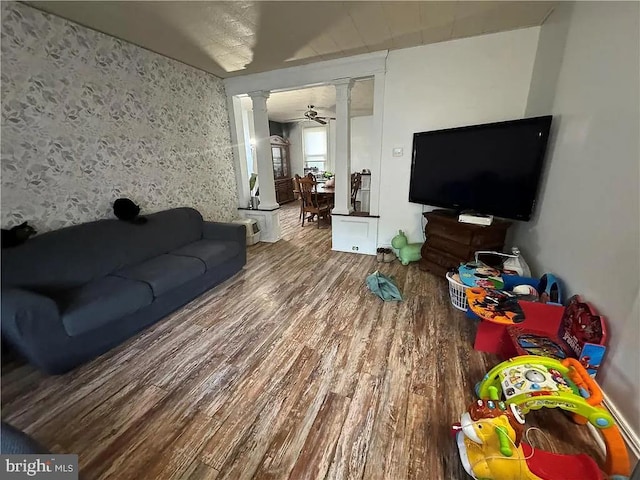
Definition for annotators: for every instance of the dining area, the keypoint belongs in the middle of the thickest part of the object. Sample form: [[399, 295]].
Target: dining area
[[317, 199]]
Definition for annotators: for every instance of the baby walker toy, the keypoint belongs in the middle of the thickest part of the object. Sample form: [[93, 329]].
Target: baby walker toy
[[490, 434]]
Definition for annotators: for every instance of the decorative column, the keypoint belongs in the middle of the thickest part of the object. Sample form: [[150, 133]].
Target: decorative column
[[342, 161], [267, 215], [263, 151]]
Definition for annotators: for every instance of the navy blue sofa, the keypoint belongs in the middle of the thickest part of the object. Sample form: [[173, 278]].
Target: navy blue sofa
[[72, 294]]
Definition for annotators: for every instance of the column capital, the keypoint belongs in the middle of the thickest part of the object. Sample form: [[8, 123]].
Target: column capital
[[348, 82], [260, 94]]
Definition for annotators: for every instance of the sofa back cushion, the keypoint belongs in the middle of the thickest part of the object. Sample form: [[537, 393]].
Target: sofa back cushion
[[70, 257]]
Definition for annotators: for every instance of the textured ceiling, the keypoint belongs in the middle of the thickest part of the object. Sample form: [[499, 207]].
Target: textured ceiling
[[235, 38], [290, 106]]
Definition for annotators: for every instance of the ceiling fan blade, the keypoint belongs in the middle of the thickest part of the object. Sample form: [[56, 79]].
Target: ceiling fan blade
[[319, 120]]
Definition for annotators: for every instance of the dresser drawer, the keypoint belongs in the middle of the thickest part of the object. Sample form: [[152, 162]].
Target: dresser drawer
[[441, 258], [464, 252], [450, 231]]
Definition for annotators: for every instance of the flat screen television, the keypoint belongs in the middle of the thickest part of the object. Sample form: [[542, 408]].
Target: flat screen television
[[491, 169]]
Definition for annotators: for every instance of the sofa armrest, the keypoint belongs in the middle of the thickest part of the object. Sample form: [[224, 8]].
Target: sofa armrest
[[234, 232], [26, 313]]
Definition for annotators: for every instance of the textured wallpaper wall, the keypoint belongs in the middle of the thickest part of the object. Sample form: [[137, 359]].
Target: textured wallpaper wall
[[87, 118]]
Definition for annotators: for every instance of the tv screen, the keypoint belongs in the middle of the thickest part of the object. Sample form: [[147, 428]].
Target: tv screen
[[489, 169]]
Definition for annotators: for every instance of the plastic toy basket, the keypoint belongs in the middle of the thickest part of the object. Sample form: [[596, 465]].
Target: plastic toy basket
[[457, 292]]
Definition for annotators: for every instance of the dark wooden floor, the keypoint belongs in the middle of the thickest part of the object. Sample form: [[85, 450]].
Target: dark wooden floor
[[291, 369]]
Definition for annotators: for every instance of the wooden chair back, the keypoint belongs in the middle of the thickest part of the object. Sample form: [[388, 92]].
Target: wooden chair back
[[356, 183], [312, 203], [308, 188]]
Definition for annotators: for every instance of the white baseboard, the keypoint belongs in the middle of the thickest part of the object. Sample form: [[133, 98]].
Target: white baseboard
[[632, 438]]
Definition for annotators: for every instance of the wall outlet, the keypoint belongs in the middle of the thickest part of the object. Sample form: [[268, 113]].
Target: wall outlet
[[354, 248]]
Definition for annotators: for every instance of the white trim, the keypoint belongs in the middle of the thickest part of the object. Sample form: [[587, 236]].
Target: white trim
[[237, 148], [376, 143], [631, 437], [317, 73]]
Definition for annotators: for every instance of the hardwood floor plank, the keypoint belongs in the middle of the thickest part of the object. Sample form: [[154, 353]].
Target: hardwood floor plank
[[290, 389], [180, 453], [106, 422], [199, 471], [352, 448], [288, 441], [250, 398], [319, 448], [387, 456]]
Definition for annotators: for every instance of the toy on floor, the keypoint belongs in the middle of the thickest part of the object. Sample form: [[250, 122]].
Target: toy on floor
[[407, 252], [582, 334], [479, 274], [549, 289], [497, 306], [489, 440], [505, 271], [531, 382], [510, 263]]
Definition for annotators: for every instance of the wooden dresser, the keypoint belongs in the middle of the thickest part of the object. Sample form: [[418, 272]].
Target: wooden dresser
[[450, 242]]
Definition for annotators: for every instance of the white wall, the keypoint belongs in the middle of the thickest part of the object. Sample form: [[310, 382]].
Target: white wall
[[461, 82], [249, 134], [87, 118], [296, 153], [587, 224], [361, 139]]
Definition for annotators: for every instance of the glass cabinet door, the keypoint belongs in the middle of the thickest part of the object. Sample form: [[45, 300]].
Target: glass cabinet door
[[285, 163], [278, 166]]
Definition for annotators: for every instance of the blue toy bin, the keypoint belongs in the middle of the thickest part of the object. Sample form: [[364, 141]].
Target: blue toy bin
[[548, 284], [511, 281]]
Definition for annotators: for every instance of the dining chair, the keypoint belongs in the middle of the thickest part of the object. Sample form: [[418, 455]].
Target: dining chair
[[312, 203], [356, 183], [298, 192]]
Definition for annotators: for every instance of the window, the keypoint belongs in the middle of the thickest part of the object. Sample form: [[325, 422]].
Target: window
[[315, 147]]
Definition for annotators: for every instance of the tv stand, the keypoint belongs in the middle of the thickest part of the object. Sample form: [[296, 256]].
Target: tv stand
[[450, 243]]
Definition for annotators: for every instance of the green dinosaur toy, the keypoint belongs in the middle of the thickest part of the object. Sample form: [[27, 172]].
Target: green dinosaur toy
[[407, 252]]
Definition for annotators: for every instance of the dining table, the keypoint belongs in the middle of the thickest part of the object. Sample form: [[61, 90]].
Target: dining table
[[326, 191]]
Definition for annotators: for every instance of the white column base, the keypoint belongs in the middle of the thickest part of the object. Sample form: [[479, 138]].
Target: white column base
[[342, 211], [354, 234], [264, 206], [268, 222]]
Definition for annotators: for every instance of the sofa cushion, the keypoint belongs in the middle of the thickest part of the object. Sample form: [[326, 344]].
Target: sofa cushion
[[100, 302], [210, 252], [164, 272]]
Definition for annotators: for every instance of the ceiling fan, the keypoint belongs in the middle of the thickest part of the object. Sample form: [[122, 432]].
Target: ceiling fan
[[311, 114]]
